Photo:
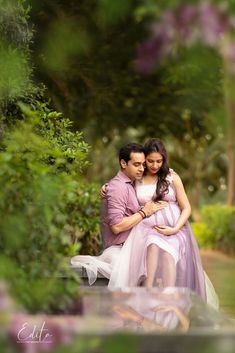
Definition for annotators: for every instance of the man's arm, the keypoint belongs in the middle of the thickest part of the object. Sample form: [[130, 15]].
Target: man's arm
[[129, 222], [117, 203], [126, 223], [117, 195]]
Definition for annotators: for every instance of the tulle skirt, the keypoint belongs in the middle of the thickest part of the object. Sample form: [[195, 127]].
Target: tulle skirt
[[125, 266]]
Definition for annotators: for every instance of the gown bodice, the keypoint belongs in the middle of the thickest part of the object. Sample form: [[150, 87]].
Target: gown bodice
[[146, 192], [167, 216]]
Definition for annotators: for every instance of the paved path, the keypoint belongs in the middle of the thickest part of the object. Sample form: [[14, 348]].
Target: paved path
[[221, 270]]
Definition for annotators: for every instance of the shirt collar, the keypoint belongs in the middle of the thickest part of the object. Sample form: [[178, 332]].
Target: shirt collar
[[124, 177]]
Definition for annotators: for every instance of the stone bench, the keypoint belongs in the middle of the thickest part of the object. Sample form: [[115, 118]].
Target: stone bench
[[81, 272]]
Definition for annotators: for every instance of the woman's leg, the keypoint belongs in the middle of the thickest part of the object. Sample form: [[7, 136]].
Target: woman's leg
[[168, 270], [152, 263]]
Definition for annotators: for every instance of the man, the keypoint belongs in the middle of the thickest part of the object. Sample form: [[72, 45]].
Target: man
[[120, 207]]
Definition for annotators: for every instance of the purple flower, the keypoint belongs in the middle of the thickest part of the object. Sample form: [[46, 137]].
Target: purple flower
[[212, 22], [185, 21], [149, 55], [184, 25]]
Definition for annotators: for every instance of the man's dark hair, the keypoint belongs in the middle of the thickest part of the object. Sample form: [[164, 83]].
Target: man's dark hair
[[125, 151]]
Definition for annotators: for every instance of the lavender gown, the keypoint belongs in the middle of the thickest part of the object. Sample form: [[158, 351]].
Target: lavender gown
[[125, 265]]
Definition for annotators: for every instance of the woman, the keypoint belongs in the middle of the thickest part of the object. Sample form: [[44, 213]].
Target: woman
[[161, 250]]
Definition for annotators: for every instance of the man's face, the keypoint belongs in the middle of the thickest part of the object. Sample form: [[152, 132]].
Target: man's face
[[134, 169]]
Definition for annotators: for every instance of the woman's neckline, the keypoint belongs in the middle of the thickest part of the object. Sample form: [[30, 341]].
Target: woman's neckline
[[149, 183]]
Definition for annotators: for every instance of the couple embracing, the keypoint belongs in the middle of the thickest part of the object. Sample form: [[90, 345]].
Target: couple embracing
[[147, 237]]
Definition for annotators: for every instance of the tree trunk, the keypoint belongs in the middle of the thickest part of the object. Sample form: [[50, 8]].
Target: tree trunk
[[229, 95], [194, 197]]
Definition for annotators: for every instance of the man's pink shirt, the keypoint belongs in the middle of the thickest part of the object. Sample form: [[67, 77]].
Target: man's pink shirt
[[120, 202]]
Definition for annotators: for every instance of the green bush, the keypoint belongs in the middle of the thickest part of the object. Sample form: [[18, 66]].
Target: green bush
[[220, 220], [83, 203], [15, 41], [83, 206], [218, 228], [203, 235], [40, 183]]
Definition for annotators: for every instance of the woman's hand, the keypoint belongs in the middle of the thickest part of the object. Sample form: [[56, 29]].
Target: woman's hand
[[166, 230], [103, 190]]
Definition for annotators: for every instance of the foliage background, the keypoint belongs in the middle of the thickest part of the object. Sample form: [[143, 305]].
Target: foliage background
[[70, 96], [78, 57], [97, 86], [46, 204]]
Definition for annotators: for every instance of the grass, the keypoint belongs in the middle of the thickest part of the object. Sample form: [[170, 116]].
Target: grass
[[221, 270]]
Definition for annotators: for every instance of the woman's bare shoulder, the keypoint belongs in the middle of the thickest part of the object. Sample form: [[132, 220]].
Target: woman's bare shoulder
[[175, 176]]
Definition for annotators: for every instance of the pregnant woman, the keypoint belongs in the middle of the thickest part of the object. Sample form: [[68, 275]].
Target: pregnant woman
[[162, 250]]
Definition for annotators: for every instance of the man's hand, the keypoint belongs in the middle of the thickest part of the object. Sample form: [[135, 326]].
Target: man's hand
[[151, 207], [166, 230]]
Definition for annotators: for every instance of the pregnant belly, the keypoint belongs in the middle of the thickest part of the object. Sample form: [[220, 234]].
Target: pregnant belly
[[168, 216], [165, 217]]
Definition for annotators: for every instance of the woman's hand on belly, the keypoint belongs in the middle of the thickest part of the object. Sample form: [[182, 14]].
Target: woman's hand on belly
[[166, 230]]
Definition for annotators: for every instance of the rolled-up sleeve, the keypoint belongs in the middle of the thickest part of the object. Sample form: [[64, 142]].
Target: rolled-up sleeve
[[117, 198]]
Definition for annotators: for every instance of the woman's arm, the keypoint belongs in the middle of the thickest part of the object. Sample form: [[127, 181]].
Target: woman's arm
[[103, 190], [184, 204], [182, 201]]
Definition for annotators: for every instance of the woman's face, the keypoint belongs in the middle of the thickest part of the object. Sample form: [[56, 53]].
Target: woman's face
[[153, 162]]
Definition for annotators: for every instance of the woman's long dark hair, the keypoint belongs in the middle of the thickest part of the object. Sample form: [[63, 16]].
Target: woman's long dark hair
[[162, 188]]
